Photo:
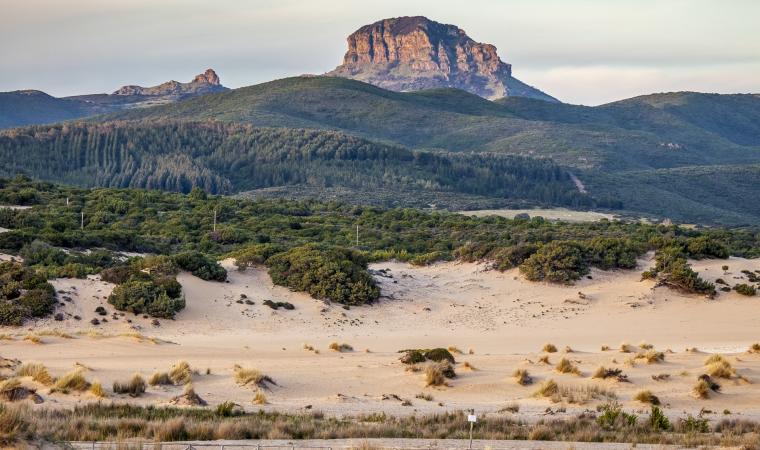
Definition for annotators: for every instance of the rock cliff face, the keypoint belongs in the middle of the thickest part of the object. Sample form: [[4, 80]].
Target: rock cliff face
[[205, 83], [413, 53]]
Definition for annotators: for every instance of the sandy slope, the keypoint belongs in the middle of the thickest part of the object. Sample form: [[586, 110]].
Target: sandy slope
[[504, 319]]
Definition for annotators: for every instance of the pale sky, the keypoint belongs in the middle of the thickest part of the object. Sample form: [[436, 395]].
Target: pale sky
[[580, 51]]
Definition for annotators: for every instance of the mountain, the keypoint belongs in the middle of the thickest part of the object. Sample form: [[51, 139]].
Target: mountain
[[205, 83], [27, 107], [31, 107], [415, 53], [645, 154]]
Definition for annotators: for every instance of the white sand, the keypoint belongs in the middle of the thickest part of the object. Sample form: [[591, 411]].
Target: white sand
[[564, 214], [503, 318]]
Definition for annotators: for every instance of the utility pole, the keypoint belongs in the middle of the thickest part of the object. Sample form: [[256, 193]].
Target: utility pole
[[81, 225], [357, 235], [472, 418], [214, 219]]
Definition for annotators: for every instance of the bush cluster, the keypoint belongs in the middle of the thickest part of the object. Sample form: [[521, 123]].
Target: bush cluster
[[24, 294]]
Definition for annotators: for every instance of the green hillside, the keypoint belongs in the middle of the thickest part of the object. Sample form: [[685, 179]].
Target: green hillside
[[634, 134], [229, 158], [19, 108]]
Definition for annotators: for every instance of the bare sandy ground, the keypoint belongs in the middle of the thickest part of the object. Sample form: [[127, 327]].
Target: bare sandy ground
[[567, 215], [498, 320]]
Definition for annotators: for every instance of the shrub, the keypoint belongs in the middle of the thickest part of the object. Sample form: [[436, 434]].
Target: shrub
[[416, 356], [135, 386], [557, 262], [754, 348], [254, 255], [658, 420], [613, 417], [228, 409], [148, 297], [745, 289], [693, 425], [200, 266], [38, 302], [651, 356], [341, 347], [702, 389], [119, 274], [646, 397], [333, 273]]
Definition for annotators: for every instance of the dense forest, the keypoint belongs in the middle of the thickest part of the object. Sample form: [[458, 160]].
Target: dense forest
[[226, 158], [311, 246]]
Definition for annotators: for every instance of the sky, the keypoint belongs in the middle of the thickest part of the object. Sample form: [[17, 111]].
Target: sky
[[580, 51]]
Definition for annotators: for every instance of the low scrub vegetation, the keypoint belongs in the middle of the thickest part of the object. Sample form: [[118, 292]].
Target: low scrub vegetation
[[134, 387], [24, 294]]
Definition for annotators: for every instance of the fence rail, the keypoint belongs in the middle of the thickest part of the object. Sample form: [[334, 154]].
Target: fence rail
[[100, 445]]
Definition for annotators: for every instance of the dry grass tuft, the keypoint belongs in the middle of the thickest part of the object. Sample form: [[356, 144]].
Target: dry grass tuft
[[37, 371], [549, 348], [522, 377], [135, 386], [259, 398], [651, 356], [159, 379], [645, 346], [720, 369], [55, 333], [98, 390], [33, 338], [456, 350], [646, 397], [181, 373], [436, 373], [565, 366], [544, 359], [701, 389], [341, 347], [72, 381], [468, 366], [754, 348], [548, 389], [245, 377], [6, 337], [625, 348], [605, 348]]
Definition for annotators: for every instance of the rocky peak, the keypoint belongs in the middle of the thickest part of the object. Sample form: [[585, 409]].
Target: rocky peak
[[412, 53], [204, 83], [208, 77]]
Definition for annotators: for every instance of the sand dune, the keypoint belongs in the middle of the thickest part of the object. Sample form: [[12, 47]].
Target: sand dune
[[502, 318]]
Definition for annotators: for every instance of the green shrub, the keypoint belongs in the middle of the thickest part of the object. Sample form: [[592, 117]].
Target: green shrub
[[201, 266], [333, 273], [24, 293], [140, 297], [745, 289], [38, 302], [256, 254], [557, 261], [658, 420]]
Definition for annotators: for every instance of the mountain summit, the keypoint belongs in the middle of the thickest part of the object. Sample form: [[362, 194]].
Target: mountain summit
[[413, 53], [204, 83]]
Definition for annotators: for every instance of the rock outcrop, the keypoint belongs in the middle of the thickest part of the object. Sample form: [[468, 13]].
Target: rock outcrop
[[413, 53], [205, 83]]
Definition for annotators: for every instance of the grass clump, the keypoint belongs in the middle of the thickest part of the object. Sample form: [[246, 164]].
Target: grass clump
[[651, 356], [544, 360], [548, 389], [135, 386], [549, 348], [181, 373], [37, 371], [341, 348], [453, 349], [159, 379], [625, 348], [98, 390], [566, 366], [717, 366], [72, 381], [754, 348], [604, 373], [424, 396], [436, 373], [647, 397], [259, 398], [522, 377], [245, 377]]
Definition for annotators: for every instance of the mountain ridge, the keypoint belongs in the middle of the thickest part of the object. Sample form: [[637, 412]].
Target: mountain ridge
[[414, 53]]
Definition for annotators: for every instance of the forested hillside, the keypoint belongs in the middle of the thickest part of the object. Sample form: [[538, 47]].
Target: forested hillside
[[229, 158]]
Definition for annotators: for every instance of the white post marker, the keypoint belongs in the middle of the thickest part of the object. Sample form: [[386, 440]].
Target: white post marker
[[472, 418]]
